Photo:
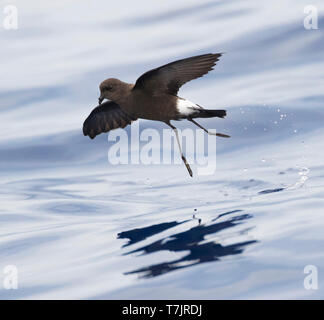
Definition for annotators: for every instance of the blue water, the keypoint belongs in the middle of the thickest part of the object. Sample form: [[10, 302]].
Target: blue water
[[76, 226]]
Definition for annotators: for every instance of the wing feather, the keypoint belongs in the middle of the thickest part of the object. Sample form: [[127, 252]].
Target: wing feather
[[108, 116], [170, 77]]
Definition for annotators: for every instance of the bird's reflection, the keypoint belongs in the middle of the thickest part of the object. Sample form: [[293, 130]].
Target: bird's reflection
[[192, 240], [140, 234]]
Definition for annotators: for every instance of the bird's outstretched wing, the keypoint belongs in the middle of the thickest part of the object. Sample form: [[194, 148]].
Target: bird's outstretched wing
[[170, 77], [106, 117]]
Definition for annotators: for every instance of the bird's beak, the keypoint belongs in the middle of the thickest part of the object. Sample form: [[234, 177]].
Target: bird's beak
[[100, 99]]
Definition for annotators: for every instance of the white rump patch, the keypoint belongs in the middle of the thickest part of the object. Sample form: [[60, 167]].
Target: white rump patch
[[186, 107]]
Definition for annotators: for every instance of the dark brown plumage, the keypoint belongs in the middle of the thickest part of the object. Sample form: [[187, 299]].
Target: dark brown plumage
[[153, 97], [170, 77], [106, 117]]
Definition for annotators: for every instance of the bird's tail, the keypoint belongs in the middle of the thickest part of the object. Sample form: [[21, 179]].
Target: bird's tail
[[205, 113]]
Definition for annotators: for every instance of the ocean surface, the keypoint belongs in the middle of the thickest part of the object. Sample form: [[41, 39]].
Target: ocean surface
[[76, 226]]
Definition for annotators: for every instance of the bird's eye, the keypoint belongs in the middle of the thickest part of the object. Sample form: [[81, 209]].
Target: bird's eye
[[108, 88]]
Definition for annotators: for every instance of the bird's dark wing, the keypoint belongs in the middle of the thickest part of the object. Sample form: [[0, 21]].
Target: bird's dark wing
[[106, 117], [170, 77]]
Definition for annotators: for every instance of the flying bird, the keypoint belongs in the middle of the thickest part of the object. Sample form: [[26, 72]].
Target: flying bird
[[154, 96]]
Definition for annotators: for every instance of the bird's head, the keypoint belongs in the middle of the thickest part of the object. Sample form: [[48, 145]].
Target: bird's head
[[112, 89]]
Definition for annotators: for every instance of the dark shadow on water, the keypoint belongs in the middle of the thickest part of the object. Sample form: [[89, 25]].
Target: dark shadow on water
[[189, 240], [137, 235], [271, 190]]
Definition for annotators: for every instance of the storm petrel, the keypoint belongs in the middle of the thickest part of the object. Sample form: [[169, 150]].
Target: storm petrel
[[153, 97]]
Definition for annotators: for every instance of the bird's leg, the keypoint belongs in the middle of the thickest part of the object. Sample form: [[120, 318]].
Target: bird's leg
[[179, 145], [211, 133]]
